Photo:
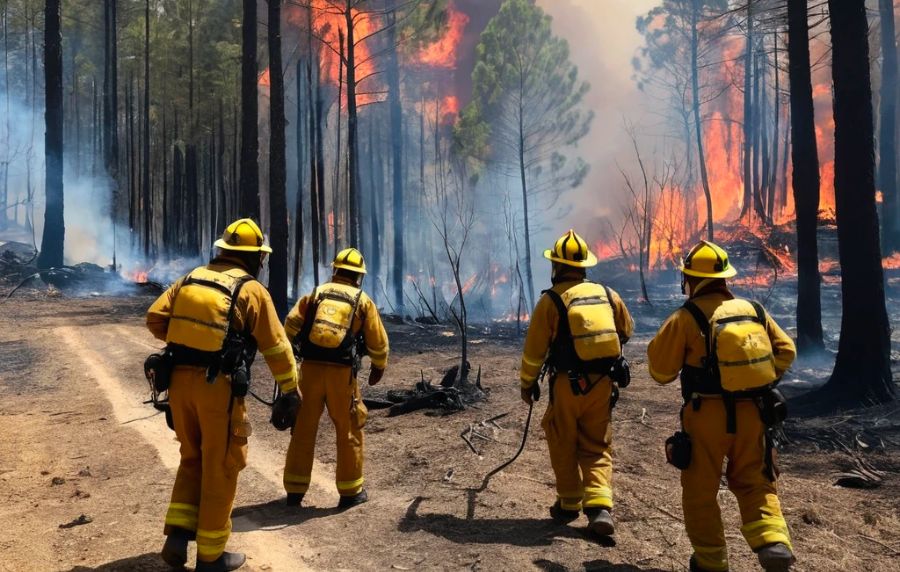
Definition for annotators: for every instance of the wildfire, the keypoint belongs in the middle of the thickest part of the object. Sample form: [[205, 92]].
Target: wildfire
[[265, 80], [442, 52], [136, 275], [892, 262]]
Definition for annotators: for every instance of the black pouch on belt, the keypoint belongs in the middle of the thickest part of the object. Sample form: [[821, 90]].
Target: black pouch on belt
[[678, 450], [240, 382], [772, 408], [158, 370]]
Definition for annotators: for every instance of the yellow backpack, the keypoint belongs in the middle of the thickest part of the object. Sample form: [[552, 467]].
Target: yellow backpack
[[203, 308], [586, 339], [739, 353], [327, 332]]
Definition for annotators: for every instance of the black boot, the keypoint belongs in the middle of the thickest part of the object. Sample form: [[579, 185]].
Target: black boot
[[294, 499], [562, 515], [174, 551], [225, 563], [600, 521], [694, 567], [352, 501], [775, 557]]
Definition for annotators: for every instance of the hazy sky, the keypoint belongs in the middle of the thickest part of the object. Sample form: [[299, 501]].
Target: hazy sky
[[603, 40]]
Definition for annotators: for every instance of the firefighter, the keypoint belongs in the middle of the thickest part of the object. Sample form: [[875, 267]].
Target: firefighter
[[578, 328], [215, 309], [331, 328], [729, 353]]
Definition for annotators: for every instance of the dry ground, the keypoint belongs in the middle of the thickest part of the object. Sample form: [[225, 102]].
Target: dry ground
[[76, 440]]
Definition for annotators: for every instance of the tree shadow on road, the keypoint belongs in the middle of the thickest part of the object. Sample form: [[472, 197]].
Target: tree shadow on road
[[592, 566], [149, 562], [512, 531], [274, 515]]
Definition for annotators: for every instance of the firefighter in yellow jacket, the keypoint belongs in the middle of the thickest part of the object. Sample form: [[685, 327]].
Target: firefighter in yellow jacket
[[331, 328], [730, 353], [215, 310], [577, 329]]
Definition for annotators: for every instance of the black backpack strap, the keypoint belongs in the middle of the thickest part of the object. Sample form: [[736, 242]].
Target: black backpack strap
[[303, 335], [760, 312], [563, 327], [702, 323]]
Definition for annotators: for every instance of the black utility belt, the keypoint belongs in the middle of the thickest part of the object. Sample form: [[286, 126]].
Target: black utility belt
[[183, 355]]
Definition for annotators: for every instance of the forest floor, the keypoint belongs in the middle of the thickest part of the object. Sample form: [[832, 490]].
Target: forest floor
[[76, 440]]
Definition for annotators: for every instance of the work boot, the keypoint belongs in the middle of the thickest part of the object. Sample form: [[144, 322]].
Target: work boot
[[174, 551], [352, 501], [775, 557], [562, 515], [600, 522], [225, 563], [294, 499], [694, 567]]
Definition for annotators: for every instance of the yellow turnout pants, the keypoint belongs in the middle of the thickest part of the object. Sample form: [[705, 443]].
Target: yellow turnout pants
[[213, 452], [579, 436], [332, 386], [757, 497]]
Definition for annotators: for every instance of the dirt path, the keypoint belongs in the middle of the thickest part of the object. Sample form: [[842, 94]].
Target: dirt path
[[77, 440]]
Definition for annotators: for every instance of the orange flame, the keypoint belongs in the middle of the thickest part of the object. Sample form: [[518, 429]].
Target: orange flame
[[265, 80], [442, 52]]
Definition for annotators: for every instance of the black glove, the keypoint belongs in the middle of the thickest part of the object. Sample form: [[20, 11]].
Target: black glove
[[621, 372], [375, 375], [284, 410]]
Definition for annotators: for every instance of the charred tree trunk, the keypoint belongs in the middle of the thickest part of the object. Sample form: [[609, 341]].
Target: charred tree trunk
[[132, 159], [298, 204], [773, 197], [336, 202], [862, 371], [178, 212], [352, 130], [748, 116], [278, 231], [315, 191], [145, 162], [529, 274], [698, 124], [805, 159], [396, 112], [52, 242], [320, 163], [164, 207], [887, 140], [192, 191], [249, 185]]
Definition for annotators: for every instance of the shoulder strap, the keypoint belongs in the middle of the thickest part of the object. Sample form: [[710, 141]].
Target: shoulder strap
[[563, 327], [760, 312], [702, 322], [234, 297]]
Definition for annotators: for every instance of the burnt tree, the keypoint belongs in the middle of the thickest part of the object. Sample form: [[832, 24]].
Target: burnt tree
[[52, 242], [805, 158], [695, 104], [249, 181], [887, 139], [862, 372], [278, 231], [396, 119], [145, 144]]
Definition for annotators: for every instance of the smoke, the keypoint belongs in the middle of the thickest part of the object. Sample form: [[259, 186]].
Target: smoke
[[602, 40], [89, 228]]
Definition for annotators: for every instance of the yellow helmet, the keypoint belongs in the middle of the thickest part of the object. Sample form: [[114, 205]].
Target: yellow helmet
[[571, 250], [243, 235], [707, 260], [350, 259]]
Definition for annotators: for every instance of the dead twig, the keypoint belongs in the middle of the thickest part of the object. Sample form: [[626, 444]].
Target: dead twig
[[893, 550]]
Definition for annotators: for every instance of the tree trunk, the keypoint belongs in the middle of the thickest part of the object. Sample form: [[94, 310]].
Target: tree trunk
[[278, 230], [145, 178], [352, 130], [192, 190], [52, 242], [522, 175], [178, 212], [748, 116], [336, 202], [698, 125], [805, 160], [396, 112], [298, 204], [887, 140], [315, 192], [249, 185], [320, 163], [773, 177], [862, 371]]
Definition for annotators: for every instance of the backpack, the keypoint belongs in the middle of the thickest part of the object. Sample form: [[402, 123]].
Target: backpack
[[327, 332], [739, 354], [587, 340]]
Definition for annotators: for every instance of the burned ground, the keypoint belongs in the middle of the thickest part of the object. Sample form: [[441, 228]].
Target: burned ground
[[78, 441]]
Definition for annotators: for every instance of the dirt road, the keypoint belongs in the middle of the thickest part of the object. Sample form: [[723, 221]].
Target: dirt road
[[76, 440]]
